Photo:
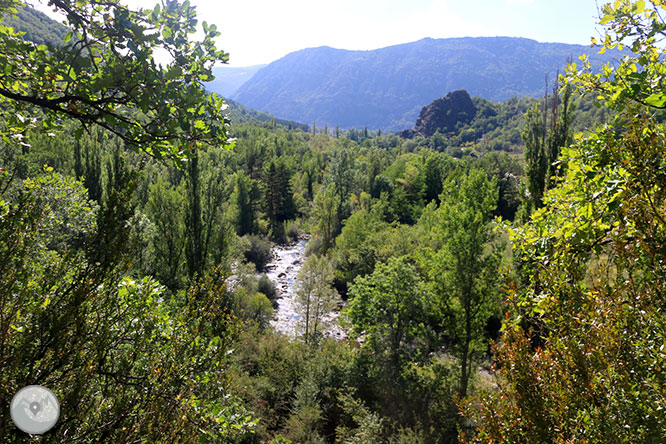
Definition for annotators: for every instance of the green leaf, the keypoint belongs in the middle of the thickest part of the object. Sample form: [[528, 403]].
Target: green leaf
[[99, 72], [658, 100], [639, 6], [174, 72]]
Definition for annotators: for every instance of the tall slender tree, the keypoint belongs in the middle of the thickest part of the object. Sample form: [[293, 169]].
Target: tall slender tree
[[315, 294], [245, 199], [194, 246], [278, 194], [547, 131], [465, 270]]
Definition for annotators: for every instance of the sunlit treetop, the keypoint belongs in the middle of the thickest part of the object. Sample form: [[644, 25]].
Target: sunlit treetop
[[106, 74], [639, 77]]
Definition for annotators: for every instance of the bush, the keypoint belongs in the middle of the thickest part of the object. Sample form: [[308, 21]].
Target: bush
[[314, 246], [258, 252], [267, 287], [257, 308], [291, 232]]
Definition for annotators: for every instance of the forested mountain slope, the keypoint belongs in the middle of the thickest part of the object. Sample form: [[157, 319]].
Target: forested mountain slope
[[228, 79], [38, 27], [240, 114], [386, 88]]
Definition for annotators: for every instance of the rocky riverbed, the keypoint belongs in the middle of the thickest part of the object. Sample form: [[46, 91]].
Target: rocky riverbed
[[283, 271]]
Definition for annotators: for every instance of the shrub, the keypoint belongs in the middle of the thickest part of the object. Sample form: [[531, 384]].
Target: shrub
[[291, 232], [257, 308], [267, 287], [314, 246], [258, 252]]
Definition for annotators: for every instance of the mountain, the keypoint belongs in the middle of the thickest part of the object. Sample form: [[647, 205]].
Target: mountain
[[37, 26], [228, 79], [386, 88], [239, 114]]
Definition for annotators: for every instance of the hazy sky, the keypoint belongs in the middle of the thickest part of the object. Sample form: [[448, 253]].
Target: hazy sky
[[260, 31]]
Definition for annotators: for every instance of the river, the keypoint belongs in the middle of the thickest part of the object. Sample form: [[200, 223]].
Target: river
[[283, 271]]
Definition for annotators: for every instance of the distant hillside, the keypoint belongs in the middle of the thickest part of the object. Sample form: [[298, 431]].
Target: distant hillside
[[239, 114], [38, 27], [386, 88], [229, 79]]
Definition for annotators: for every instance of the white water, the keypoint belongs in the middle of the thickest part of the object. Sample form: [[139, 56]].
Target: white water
[[283, 271]]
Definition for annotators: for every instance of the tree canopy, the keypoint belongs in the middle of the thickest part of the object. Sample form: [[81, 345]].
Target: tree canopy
[[582, 356], [107, 74]]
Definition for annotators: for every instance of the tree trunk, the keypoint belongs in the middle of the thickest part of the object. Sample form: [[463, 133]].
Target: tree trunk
[[307, 319], [465, 361], [194, 250]]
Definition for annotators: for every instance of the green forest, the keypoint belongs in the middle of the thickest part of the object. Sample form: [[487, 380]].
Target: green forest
[[501, 282]]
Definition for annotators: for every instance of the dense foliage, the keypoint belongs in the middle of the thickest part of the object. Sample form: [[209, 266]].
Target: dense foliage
[[128, 361], [134, 287], [582, 356], [104, 74]]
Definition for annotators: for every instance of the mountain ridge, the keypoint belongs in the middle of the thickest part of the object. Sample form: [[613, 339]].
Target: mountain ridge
[[229, 78], [387, 87]]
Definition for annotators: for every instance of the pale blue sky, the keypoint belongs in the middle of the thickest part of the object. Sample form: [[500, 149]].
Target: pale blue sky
[[260, 31]]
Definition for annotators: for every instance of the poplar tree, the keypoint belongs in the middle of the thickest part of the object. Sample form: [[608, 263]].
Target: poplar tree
[[465, 271], [315, 294], [547, 131]]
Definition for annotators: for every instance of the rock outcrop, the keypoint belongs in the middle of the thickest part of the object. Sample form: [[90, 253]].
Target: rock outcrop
[[443, 115]]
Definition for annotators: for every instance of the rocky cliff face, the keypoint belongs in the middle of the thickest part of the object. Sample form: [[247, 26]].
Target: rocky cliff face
[[444, 114]]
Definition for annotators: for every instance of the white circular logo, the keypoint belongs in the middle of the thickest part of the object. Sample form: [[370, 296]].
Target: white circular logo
[[35, 409]]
